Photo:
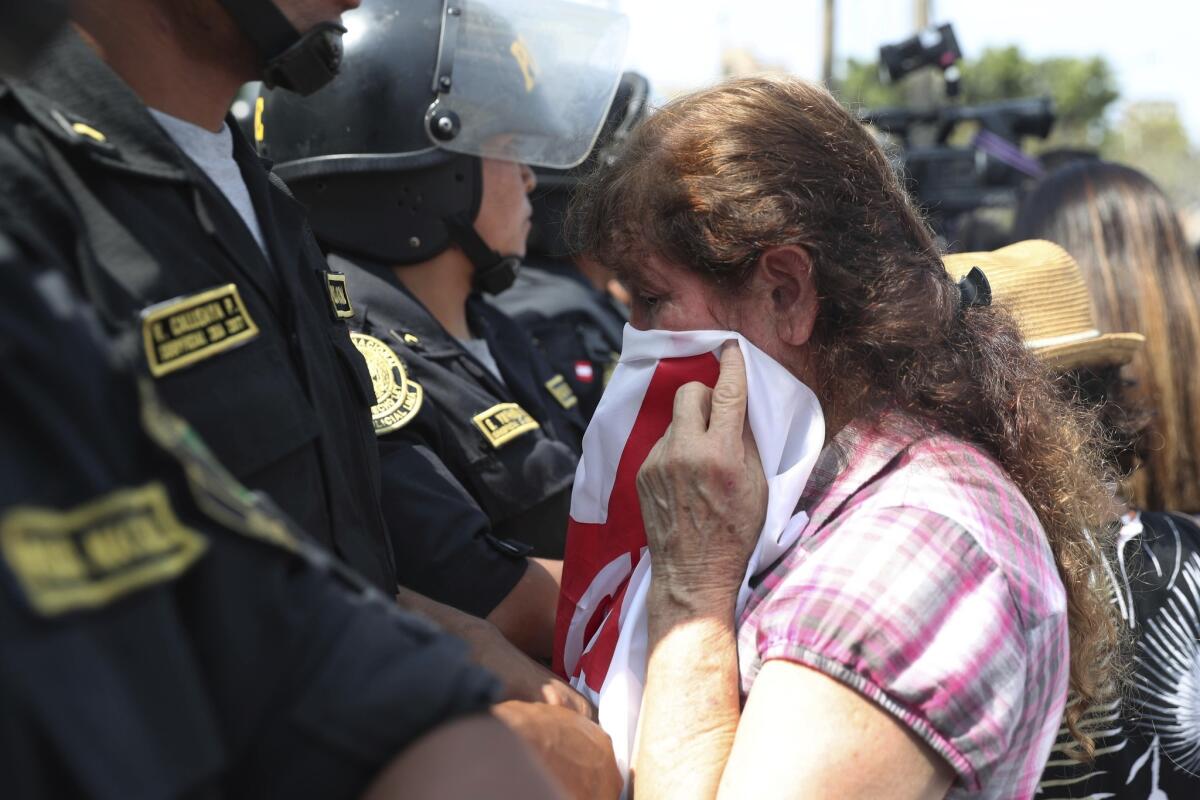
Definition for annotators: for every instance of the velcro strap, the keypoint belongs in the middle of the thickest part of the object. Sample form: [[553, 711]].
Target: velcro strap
[[264, 25]]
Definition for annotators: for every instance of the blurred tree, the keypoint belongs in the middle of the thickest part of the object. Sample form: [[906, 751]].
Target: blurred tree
[[1151, 137], [1082, 89], [860, 86]]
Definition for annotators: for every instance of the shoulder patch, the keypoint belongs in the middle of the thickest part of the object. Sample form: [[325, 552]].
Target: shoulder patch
[[562, 392], [398, 397], [504, 422], [339, 295], [183, 331], [260, 131], [95, 553]]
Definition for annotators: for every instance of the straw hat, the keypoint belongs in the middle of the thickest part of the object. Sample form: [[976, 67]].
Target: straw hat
[[1043, 288]]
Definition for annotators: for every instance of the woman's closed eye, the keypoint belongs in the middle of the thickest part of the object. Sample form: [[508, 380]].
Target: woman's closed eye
[[646, 307]]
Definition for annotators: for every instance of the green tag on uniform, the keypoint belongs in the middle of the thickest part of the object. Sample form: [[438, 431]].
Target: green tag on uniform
[[217, 493]]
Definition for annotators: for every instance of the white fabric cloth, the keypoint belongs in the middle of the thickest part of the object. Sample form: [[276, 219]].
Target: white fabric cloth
[[789, 430], [213, 154]]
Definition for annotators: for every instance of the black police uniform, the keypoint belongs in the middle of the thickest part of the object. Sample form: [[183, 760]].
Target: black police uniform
[[576, 328], [512, 445], [251, 352], [145, 649]]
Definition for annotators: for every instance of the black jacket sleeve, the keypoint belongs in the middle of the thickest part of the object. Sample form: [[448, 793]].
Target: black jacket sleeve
[[240, 669]]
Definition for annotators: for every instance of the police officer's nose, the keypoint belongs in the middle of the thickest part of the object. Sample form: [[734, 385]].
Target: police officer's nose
[[530, 178]]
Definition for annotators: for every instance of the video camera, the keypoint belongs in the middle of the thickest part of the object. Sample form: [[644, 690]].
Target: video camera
[[948, 180], [932, 47]]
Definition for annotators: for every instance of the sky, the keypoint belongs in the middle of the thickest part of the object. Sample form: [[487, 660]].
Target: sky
[[1151, 44]]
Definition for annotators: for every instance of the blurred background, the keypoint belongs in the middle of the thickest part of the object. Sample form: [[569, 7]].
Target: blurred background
[[974, 109], [1121, 75]]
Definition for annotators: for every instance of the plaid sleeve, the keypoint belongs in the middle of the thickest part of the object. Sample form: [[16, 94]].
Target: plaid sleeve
[[902, 605]]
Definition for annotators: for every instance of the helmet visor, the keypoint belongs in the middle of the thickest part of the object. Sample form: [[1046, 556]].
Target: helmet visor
[[525, 80]]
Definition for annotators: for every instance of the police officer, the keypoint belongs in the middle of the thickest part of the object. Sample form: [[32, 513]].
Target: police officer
[[122, 169], [414, 171], [148, 649], [567, 307]]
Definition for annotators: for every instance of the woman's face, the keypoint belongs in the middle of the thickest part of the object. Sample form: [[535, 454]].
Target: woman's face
[[666, 296], [504, 214]]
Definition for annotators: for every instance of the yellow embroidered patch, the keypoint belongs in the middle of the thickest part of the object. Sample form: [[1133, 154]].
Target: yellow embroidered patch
[[260, 131], [339, 296], [520, 53], [562, 391], [180, 332], [398, 398], [504, 422], [95, 553], [87, 130]]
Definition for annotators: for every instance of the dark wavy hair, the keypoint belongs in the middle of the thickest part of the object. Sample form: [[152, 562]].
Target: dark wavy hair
[[716, 177]]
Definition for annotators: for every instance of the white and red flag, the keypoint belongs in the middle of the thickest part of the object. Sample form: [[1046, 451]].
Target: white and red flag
[[600, 642]]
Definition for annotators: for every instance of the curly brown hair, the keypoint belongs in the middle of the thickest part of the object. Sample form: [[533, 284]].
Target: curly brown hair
[[716, 177]]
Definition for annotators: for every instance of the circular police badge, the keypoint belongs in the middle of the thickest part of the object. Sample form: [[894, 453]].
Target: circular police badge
[[397, 397]]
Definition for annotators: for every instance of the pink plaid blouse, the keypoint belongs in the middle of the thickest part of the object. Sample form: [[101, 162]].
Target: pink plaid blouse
[[923, 580]]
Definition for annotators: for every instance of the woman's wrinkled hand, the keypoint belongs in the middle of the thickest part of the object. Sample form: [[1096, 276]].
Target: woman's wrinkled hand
[[703, 493]]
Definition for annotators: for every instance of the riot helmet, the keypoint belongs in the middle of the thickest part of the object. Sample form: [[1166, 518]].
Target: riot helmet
[[388, 158], [555, 186]]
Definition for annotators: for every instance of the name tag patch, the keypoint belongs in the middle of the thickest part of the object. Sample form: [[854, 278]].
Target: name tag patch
[[180, 332], [504, 422], [95, 553], [562, 391], [339, 295], [398, 397]]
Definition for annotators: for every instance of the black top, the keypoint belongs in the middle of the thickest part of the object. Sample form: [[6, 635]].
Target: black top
[[512, 446], [147, 650], [577, 328], [1148, 748], [250, 352]]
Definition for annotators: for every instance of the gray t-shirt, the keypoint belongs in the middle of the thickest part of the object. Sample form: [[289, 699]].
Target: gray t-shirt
[[479, 349], [213, 153]]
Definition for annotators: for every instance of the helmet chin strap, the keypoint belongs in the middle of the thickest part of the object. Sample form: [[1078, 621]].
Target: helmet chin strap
[[300, 63], [27, 28], [493, 272]]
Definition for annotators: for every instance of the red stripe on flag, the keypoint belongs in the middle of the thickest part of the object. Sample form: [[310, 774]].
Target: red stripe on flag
[[591, 547]]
